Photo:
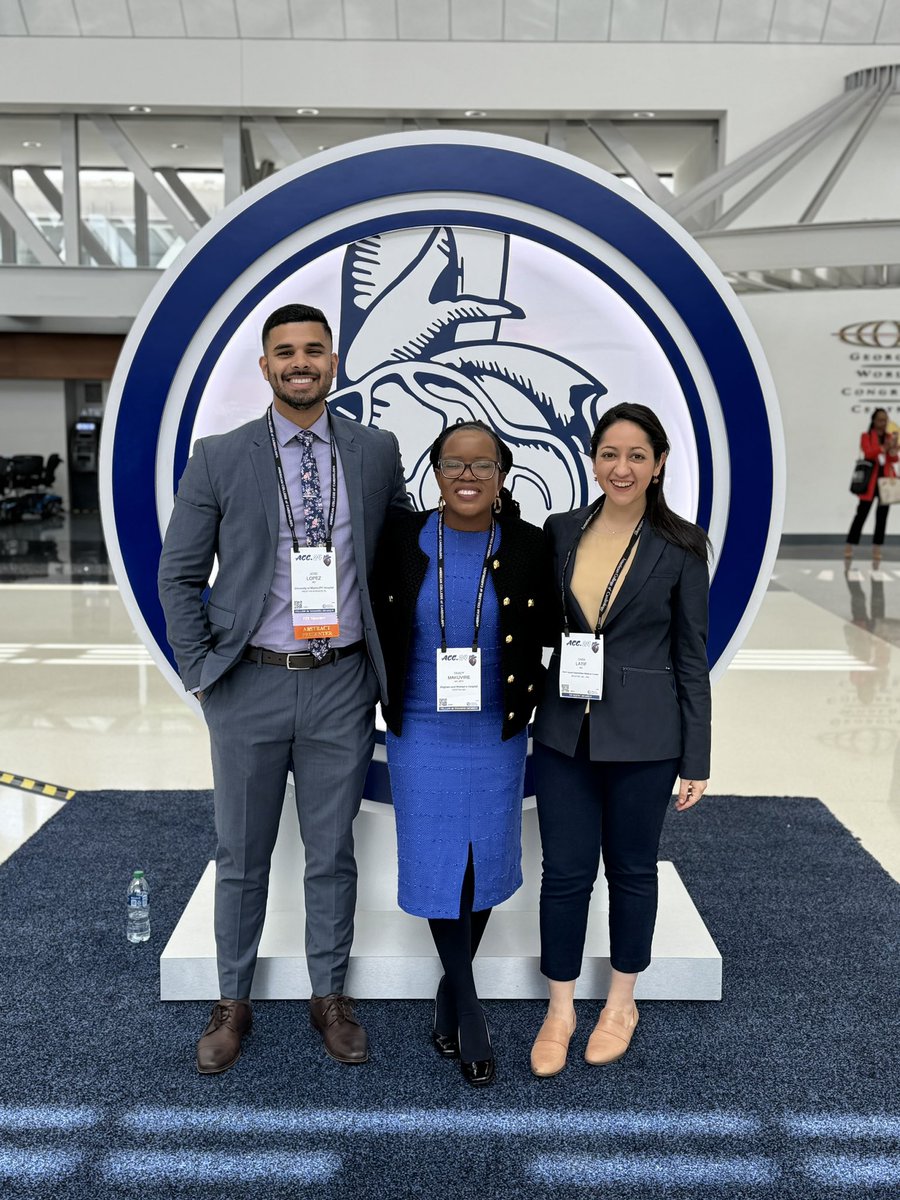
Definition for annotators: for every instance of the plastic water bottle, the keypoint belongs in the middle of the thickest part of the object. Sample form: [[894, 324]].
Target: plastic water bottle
[[137, 927]]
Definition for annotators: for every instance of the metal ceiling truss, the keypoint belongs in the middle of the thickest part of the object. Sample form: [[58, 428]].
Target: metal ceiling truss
[[802, 256]]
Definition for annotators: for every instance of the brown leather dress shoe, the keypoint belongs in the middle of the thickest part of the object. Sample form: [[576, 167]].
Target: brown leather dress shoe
[[219, 1046], [345, 1039], [612, 1036], [551, 1047]]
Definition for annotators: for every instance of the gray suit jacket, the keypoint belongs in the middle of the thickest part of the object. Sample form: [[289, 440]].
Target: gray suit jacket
[[228, 506], [656, 694]]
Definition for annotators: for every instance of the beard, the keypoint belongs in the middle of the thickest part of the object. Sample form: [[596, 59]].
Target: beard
[[306, 402]]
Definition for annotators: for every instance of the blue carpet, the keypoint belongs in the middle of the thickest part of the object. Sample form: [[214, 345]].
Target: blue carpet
[[786, 1090]]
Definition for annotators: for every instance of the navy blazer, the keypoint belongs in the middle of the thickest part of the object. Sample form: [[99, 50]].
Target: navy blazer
[[228, 507], [656, 696]]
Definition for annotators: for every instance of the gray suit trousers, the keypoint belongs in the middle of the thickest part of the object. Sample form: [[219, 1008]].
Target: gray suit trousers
[[264, 721]]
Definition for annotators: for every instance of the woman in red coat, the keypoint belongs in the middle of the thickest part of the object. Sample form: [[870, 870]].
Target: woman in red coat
[[880, 447]]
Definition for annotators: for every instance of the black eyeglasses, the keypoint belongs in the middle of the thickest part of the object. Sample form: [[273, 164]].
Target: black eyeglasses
[[454, 468]]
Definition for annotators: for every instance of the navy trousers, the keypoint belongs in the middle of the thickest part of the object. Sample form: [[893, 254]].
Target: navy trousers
[[585, 810]]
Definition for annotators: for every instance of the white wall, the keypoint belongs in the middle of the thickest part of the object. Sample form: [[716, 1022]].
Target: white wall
[[826, 400], [33, 421]]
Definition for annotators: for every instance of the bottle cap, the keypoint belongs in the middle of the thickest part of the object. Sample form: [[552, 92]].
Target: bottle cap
[[138, 875]]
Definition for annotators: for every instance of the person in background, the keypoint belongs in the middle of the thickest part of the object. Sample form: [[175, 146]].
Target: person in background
[[879, 447], [460, 601], [625, 712]]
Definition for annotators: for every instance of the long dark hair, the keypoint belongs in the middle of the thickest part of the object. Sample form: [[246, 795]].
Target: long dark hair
[[665, 522], [883, 435], [509, 507]]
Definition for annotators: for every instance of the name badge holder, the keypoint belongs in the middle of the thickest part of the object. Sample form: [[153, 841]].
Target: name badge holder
[[313, 568], [459, 667], [314, 592], [581, 654]]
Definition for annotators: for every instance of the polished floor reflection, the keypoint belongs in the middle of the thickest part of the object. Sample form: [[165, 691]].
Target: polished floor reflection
[[810, 706], [62, 549]]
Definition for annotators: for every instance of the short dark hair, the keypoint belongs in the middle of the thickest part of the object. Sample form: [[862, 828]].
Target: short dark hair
[[290, 314], [504, 454], [510, 507]]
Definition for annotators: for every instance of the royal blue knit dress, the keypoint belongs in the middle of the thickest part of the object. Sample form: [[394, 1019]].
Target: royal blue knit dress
[[454, 782]]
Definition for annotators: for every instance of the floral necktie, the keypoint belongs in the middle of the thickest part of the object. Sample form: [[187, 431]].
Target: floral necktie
[[315, 514]]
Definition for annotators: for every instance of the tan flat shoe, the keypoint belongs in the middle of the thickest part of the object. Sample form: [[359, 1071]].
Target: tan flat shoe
[[611, 1036], [551, 1046]]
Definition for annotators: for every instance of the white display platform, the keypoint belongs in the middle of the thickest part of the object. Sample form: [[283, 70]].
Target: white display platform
[[393, 956]]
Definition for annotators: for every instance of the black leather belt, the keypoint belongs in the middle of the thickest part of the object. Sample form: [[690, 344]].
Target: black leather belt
[[301, 660]]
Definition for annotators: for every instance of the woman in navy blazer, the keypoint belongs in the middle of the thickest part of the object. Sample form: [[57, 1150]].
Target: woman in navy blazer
[[632, 573]]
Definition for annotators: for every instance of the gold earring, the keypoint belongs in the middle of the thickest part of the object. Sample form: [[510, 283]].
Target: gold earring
[[498, 503], [441, 504]]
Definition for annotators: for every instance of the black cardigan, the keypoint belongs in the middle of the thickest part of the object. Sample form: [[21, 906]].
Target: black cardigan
[[520, 573]]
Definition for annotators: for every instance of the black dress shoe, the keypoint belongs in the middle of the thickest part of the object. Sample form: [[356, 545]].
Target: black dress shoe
[[446, 1044], [478, 1074]]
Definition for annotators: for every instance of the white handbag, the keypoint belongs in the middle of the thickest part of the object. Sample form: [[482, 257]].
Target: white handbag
[[888, 490]]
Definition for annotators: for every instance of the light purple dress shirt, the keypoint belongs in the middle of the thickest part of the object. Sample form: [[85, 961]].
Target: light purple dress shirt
[[275, 630]]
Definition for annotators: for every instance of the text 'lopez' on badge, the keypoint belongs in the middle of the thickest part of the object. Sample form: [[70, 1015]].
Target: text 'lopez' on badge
[[314, 592]]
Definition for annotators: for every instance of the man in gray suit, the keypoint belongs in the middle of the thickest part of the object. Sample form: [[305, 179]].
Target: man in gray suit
[[284, 658]]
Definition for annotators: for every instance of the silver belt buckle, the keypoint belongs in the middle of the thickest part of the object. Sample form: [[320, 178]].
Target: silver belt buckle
[[300, 654]]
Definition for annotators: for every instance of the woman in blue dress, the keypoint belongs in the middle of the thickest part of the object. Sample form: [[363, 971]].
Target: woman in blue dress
[[460, 598]]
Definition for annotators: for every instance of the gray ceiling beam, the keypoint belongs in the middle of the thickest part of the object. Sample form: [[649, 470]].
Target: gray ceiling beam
[[141, 226], [52, 194], [805, 278], [632, 162], [855, 276], [715, 185], [7, 236], [763, 281], [121, 143], [556, 134], [821, 245], [775, 283], [23, 227], [232, 158], [71, 194], [63, 294], [279, 139], [184, 195], [858, 137], [790, 161], [251, 170]]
